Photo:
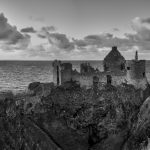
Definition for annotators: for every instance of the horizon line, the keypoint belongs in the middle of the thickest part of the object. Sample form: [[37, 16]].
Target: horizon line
[[61, 60]]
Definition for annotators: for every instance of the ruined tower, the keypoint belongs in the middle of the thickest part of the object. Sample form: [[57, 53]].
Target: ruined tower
[[57, 72], [114, 61], [136, 74], [66, 72]]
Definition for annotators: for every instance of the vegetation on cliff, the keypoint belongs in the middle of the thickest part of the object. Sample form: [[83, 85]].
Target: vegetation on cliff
[[72, 118]]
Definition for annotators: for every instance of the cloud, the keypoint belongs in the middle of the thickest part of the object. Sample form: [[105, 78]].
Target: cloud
[[141, 37], [49, 29], [42, 36], [21, 45], [142, 30], [43, 50], [116, 29], [99, 41], [93, 40], [28, 30], [45, 31], [60, 41], [80, 43], [38, 50], [145, 20], [59, 45], [95, 44], [9, 35], [37, 19]]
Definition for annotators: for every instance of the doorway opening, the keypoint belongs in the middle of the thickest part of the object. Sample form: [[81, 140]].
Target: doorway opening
[[109, 79], [57, 75]]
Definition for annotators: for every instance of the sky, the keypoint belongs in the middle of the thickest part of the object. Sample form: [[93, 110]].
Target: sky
[[73, 29]]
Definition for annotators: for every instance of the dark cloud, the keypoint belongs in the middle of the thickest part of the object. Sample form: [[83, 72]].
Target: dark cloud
[[95, 40], [60, 41], [60, 44], [116, 29], [45, 31], [10, 35], [80, 43], [28, 30], [49, 29], [98, 39], [145, 20], [141, 37], [41, 36]]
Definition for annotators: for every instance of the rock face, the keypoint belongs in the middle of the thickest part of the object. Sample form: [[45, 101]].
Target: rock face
[[66, 137], [33, 85], [35, 92], [143, 117], [36, 134], [6, 94], [112, 118], [106, 115], [40, 89]]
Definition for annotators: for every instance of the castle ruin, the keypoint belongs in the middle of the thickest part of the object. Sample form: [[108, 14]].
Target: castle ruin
[[116, 71]]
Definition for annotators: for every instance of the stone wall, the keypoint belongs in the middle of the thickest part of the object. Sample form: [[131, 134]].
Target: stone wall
[[114, 61], [66, 73], [136, 74], [86, 81], [117, 80], [139, 83], [76, 76], [102, 78], [136, 69], [57, 72]]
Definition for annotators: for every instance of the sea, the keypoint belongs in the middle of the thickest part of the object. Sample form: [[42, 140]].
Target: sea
[[15, 76]]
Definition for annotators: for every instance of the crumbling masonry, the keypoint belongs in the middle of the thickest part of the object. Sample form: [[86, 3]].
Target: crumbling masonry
[[116, 71]]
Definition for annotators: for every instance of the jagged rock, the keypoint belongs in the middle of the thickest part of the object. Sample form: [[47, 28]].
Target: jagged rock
[[30, 102], [113, 142], [77, 119], [66, 137], [143, 117], [33, 85], [148, 145], [146, 92], [6, 95], [40, 89]]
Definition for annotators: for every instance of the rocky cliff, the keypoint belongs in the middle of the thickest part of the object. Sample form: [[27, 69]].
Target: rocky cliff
[[72, 118]]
